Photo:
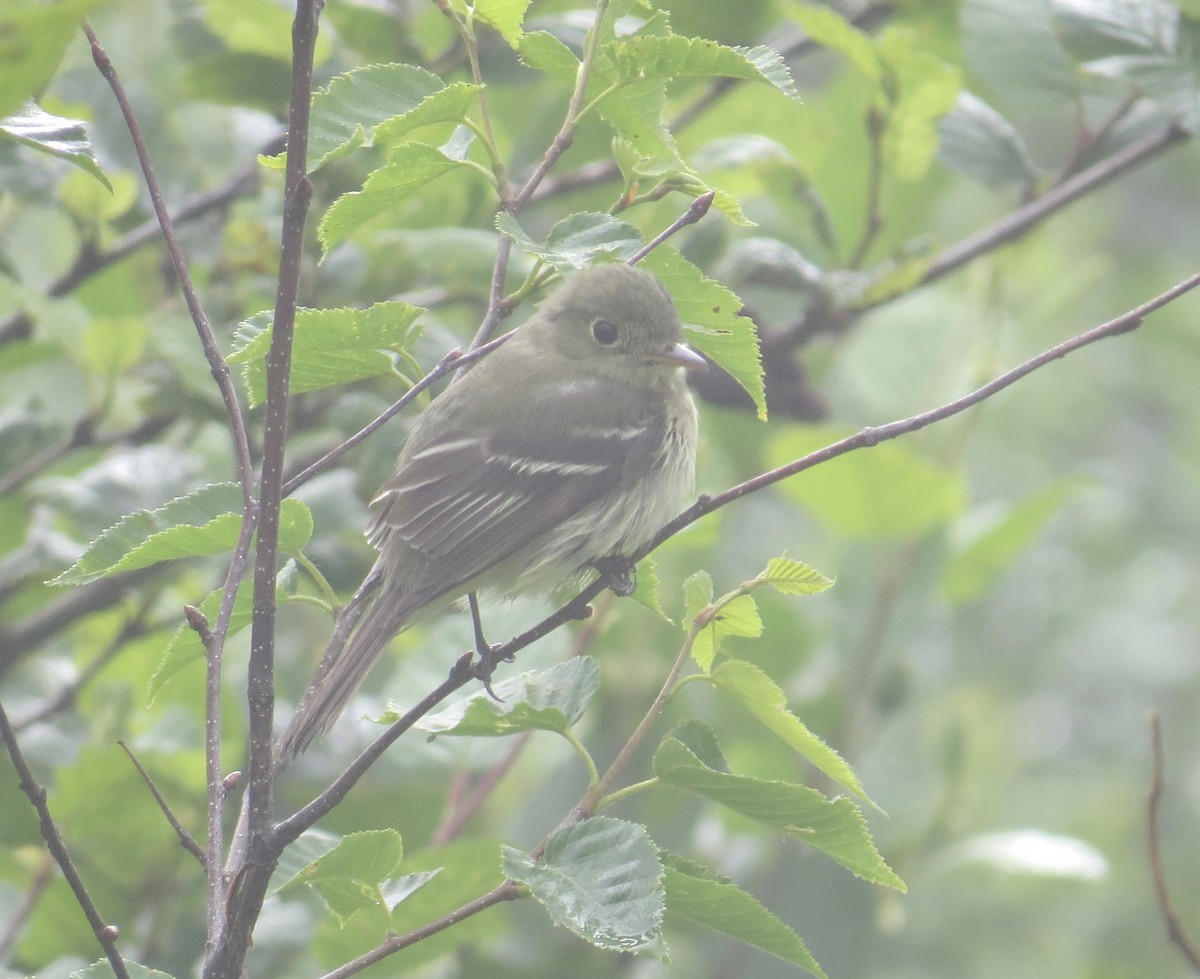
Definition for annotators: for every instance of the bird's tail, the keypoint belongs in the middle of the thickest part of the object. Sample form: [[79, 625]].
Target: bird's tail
[[341, 674]]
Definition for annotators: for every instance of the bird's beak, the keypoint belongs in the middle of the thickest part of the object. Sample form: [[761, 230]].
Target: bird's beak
[[681, 355]]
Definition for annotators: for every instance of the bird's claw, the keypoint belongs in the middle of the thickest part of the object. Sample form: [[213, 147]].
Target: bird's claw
[[618, 574]]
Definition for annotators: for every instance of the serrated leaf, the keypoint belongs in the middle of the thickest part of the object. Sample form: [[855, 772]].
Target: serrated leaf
[[833, 826], [710, 316], [733, 616], [644, 57], [648, 591], [329, 346], [763, 698], [576, 241], [794, 577], [297, 856], [409, 168], [64, 138], [104, 970], [975, 565], [886, 491], [601, 879], [542, 51], [349, 877], [539, 700], [635, 111], [504, 15], [705, 897], [378, 103], [701, 741], [697, 594], [978, 141], [201, 523]]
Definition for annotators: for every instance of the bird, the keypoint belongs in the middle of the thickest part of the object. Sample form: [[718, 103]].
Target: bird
[[568, 446]]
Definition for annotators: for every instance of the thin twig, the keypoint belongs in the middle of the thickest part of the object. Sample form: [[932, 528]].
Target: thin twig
[[507, 891], [699, 207], [186, 839], [106, 934], [1162, 892], [1026, 217], [208, 340]]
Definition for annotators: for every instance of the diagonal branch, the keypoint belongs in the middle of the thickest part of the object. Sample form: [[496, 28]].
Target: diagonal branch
[[106, 934]]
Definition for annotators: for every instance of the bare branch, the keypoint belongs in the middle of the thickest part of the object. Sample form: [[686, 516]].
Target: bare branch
[[106, 934], [185, 838], [1162, 892]]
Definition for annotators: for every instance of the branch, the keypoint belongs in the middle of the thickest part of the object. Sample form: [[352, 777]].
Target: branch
[[1158, 785], [105, 933], [506, 891], [233, 914], [185, 838], [1025, 218], [208, 340]]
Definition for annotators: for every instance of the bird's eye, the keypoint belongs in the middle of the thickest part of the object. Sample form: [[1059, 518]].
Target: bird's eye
[[605, 332]]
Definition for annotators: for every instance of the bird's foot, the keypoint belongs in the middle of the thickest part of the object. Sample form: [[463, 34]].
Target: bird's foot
[[618, 574]]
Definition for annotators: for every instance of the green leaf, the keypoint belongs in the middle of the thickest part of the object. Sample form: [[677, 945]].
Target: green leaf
[[539, 700], [113, 345], [65, 138], [379, 103], [204, 522], [643, 57], [349, 877], [885, 491], [185, 646], [635, 112], [732, 616], [760, 695], [833, 826], [329, 347], [104, 970], [790, 577], [922, 89], [993, 548], [469, 867], [601, 879], [830, 29], [648, 588], [978, 141], [710, 316], [705, 897], [33, 37], [297, 856], [504, 15], [542, 51], [258, 27], [409, 168], [576, 241], [1013, 46], [697, 595]]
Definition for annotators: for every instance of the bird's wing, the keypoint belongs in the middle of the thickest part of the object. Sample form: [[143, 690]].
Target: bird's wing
[[467, 501]]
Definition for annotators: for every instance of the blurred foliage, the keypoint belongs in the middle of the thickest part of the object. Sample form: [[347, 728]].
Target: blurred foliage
[[1015, 586]]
